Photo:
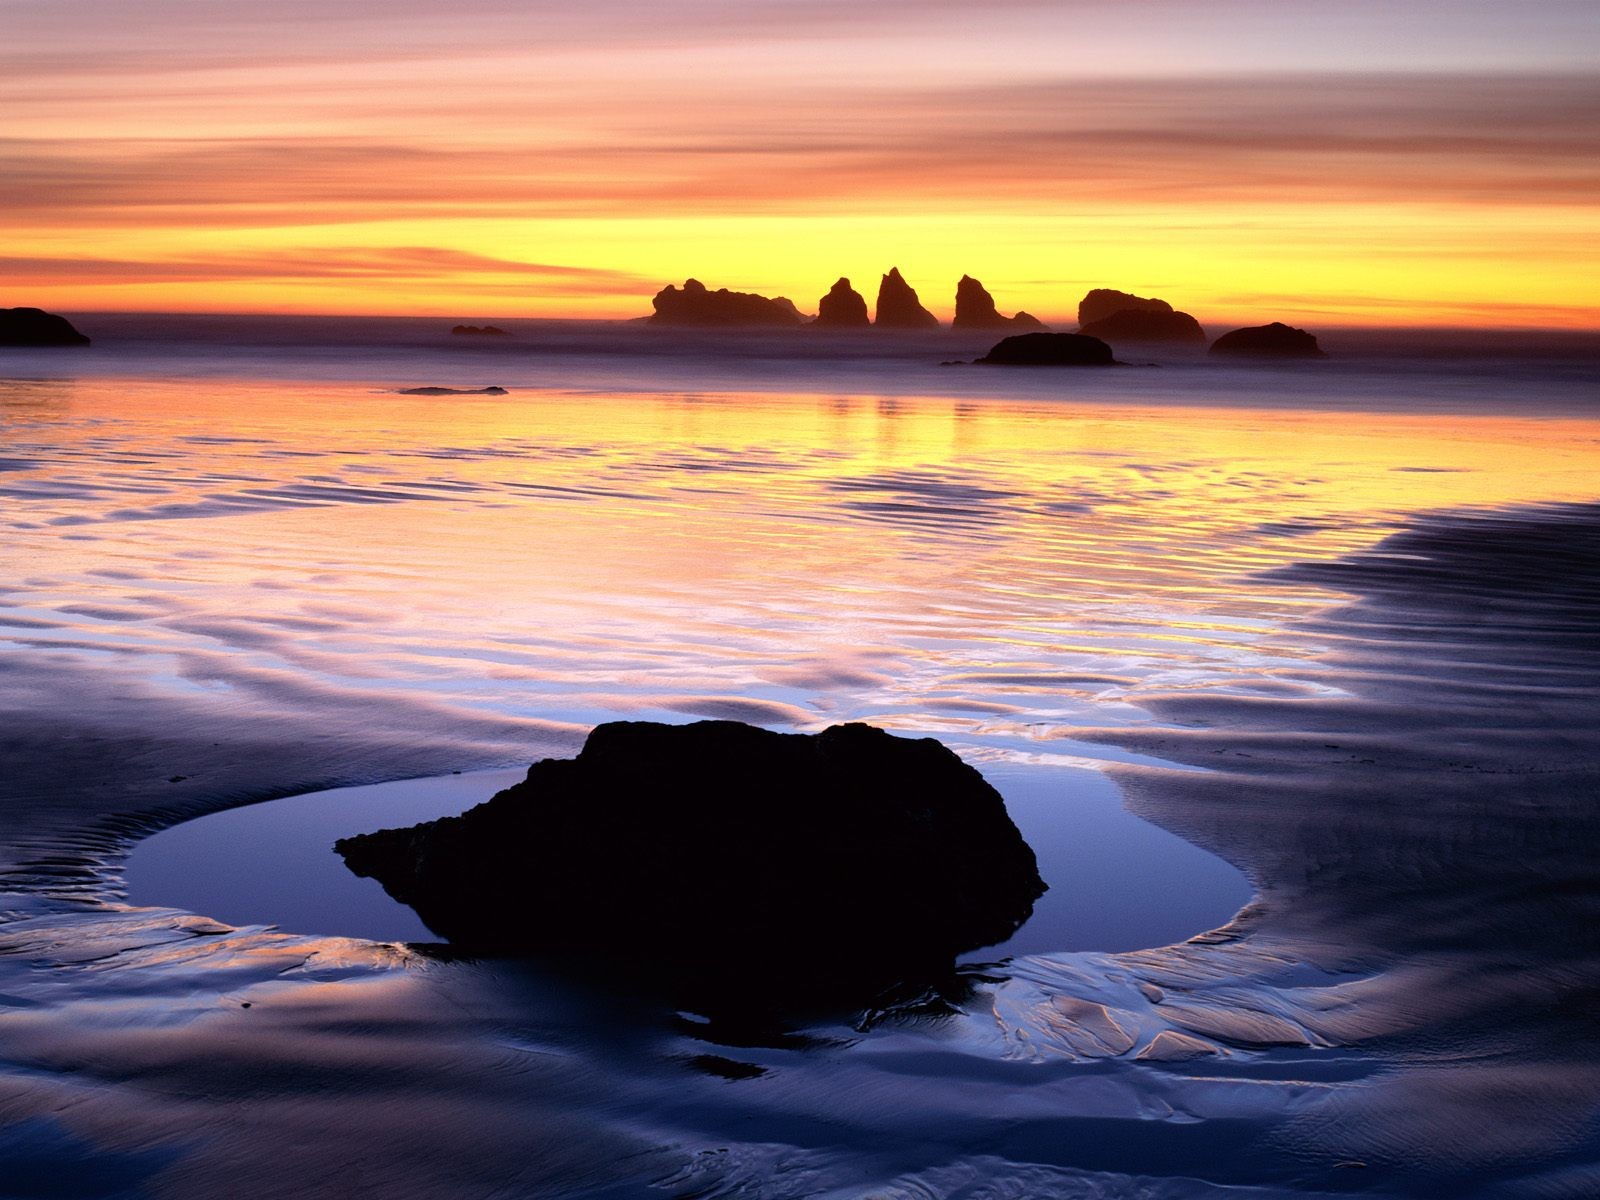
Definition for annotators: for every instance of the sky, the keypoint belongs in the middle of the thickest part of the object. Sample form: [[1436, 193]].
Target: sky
[[1411, 162]]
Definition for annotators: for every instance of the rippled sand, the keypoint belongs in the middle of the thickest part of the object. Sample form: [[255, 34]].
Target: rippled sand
[[1373, 632]]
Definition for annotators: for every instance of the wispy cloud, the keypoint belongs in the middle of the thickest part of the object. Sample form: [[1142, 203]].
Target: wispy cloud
[[311, 264]]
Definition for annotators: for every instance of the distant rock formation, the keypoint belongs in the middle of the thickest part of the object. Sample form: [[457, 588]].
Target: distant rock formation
[[697, 305], [735, 865], [975, 310], [479, 331], [448, 391], [1101, 303], [1049, 350], [1147, 325], [1276, 340], [843, 308], [35, 327], [898, 306]]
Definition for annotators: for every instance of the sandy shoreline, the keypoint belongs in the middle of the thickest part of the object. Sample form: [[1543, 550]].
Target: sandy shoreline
[[1419, 957], [220, 594]]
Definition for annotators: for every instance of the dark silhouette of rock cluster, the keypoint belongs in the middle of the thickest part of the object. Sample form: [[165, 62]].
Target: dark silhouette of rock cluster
[[975, 309], [35, 327], [479, 331], [1049, 350], [1276, 340], [842, 308], [898, 306], [727, 864], [1146, 325], [1105, 315], [697, 305], [1100, 303], [1123, 317]]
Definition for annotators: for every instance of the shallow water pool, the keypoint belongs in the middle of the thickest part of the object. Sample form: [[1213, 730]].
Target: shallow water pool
[[1116, 882]]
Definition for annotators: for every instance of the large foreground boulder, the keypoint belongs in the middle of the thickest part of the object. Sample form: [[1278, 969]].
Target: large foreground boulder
[[1276, 340], [898, 306], [35, 327], [696, 305], [1147, 325], [975, 309], [1049, 350], [842, 308], [727, 860]]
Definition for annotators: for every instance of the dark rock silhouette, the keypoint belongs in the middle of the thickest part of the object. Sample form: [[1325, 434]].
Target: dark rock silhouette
[[449, 391], [898, 306], [1146, 325], [479, 331], [1276, 340], [975, 310], [842, 308], [697, 305], [729, 865], [1101, 303], [1050, 350], [35, 327]]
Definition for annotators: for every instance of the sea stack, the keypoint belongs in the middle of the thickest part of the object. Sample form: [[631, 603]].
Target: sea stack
[[843, 308], [35, 327], [1147, 325], [731, 864], [1049, 350], [898, 306], [1276, 340], [1101, 303], [975, 309], [695, 305]]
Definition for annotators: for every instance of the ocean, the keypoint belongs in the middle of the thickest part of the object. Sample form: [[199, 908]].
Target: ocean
[[1285, 669]]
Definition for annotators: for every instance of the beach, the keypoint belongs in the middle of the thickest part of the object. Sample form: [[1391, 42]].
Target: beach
[[1331, 624]]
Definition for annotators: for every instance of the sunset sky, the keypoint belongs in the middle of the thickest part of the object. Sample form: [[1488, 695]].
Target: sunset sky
[[1365, 161]]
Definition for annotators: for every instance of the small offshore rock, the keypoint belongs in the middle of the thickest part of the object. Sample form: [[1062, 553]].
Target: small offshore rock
[[1050, 350], [447, 391], [1276, 340], [1147, 325], [35, 327], [479, 331], [695, 305], [1100, 303]]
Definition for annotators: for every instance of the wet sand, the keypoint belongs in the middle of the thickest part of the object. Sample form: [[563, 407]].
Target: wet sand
[[1389, 694]]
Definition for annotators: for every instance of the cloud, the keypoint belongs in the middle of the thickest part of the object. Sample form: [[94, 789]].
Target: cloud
[[1343, 138], [313, 264]]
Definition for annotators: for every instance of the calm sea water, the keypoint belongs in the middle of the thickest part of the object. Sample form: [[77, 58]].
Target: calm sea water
[[237, 563]]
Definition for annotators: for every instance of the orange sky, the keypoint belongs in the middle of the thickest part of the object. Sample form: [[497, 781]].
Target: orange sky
[[1434, 162]]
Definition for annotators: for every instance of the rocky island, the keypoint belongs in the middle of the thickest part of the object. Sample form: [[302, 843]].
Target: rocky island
[[727, 863], [1147, 325], [975, 309], [1123, 317], [898, 306], [842, 308], [1100, 303], [696, 305], [1049, 350], [479, 331], [1276, 340], [35, 327]]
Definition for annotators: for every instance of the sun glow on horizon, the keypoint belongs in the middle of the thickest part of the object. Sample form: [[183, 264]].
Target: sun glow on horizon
[[1359, 167]]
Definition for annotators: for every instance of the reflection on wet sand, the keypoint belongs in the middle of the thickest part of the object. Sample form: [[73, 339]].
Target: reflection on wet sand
[[219, 594]]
